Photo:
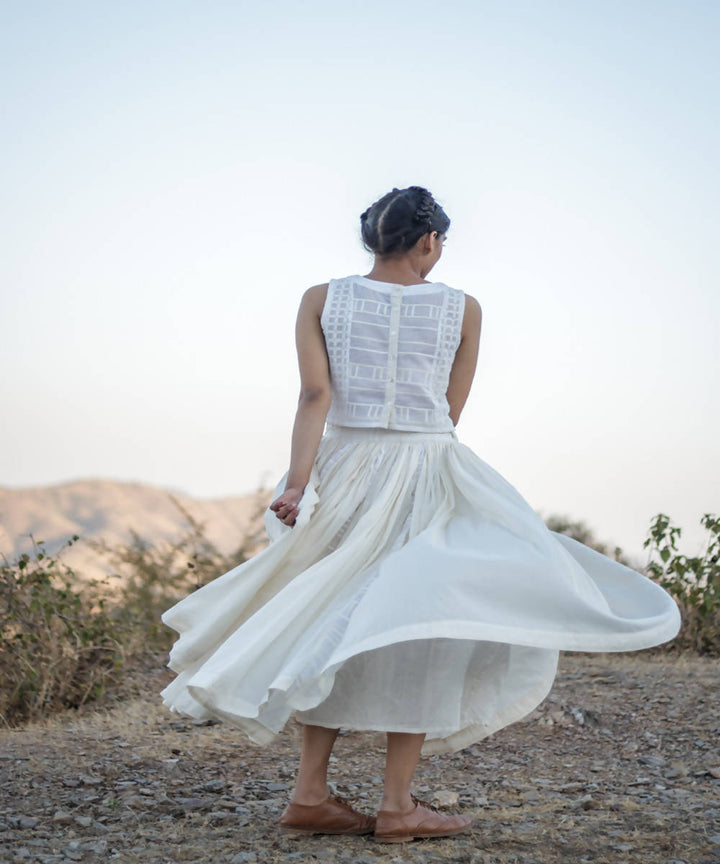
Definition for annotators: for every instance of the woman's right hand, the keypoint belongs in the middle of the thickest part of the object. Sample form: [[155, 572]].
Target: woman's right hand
[[285, 506]]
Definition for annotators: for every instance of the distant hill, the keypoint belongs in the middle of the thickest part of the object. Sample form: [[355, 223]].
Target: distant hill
[[107, 509]]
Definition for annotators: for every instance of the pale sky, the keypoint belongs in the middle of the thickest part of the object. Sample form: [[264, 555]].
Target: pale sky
[[176, 174]]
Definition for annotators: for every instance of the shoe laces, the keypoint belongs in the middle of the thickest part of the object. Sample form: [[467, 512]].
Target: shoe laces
[[344, 802]]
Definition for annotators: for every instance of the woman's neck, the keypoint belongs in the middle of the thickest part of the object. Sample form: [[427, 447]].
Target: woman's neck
[[396, 275]]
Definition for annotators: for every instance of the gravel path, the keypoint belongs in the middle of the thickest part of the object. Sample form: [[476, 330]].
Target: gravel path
[[619, 765]]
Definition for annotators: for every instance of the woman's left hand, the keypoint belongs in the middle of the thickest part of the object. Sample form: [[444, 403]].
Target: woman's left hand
[[285, 506]]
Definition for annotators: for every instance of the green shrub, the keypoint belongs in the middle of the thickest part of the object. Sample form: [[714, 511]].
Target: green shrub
[[694, 581]]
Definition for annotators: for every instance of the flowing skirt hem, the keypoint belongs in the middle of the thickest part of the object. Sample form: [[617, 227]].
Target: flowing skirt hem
[[437, 741]]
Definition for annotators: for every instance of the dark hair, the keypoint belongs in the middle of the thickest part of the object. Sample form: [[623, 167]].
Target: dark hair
[[394, 223]]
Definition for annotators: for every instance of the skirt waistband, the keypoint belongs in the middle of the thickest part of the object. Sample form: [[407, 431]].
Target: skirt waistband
[[378, 433]]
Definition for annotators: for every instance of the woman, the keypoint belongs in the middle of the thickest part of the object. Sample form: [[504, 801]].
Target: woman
[[408, 587]]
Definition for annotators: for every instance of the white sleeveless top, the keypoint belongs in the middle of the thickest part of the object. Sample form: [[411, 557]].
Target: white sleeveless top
[[391, 348]]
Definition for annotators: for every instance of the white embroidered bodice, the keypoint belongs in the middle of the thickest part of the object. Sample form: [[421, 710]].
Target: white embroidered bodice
[[391, 348]]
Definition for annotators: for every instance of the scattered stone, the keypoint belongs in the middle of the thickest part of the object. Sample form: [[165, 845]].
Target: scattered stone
[[218, 816], [675, 771], [27, 821], [652, 761], [584, 717], [569, 787], [225, 803], [445, 798], [37, 842], [134, 800], [195, 803], [559, 717]]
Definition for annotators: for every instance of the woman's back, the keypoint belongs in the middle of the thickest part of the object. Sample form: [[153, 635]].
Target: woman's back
[[391, 349]]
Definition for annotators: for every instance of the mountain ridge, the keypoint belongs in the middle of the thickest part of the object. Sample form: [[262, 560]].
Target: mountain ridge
[[104, 508]]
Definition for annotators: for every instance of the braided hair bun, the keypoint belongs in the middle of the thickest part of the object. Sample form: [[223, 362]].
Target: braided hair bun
[[426, 207], [394, 223]]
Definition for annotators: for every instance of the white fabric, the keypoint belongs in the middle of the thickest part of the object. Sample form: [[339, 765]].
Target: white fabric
[[419, 592], [391, 348]]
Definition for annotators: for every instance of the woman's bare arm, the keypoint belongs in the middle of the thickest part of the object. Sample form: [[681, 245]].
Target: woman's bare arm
[[465, 363], [313, 404]]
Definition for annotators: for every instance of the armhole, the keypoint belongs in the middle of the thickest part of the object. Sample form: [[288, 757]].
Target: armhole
[[461, 315], [326, 305]]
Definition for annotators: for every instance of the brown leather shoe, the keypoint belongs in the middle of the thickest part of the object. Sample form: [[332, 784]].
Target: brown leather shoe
[[335, 815], [424, 820]]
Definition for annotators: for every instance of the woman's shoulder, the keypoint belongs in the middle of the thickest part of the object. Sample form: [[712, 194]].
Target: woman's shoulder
[[314, 297], [472, 305], [316, 292], [472, 315]]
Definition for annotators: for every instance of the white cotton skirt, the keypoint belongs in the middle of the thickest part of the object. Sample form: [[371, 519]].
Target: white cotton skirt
[[417, 592]]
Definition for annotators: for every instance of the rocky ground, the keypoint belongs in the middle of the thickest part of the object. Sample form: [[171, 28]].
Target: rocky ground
[[619, 765]]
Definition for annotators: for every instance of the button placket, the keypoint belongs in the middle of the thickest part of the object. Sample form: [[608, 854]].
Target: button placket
[[395, 309]]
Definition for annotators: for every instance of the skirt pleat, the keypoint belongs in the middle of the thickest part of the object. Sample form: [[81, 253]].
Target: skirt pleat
[[417, 592]]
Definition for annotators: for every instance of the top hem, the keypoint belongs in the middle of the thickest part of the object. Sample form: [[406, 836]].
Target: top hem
[[338, 428]]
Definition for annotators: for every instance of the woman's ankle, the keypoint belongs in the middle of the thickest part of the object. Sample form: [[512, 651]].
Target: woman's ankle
[[397, 802], [315, 794]]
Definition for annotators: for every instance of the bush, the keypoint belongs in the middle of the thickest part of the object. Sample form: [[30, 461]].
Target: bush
[[693, 581], [154, 577], [66, 641], [578, 530], [59, 645]]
